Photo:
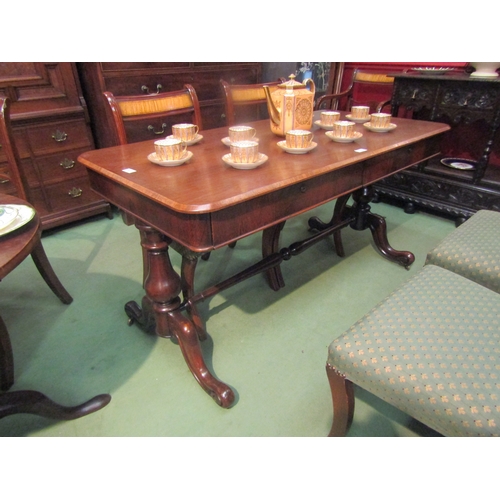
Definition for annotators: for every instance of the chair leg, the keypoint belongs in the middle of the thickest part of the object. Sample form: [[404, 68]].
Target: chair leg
[[37, 403], [43, 265], [343, 402], [6, 359]]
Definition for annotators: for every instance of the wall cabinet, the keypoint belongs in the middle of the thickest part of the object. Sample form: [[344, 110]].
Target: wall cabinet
[[127, 78], [51, 129]]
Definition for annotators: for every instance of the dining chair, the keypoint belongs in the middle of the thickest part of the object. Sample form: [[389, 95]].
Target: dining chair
[[244, 103], [365, 89]]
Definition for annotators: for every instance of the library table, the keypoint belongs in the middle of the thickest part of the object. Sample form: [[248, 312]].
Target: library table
[[205, 204]]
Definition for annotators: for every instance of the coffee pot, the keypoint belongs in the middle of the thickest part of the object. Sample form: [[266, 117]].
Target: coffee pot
[[291, 106]]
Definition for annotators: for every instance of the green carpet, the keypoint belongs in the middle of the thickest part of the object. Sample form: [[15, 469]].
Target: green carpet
[[270, 347]]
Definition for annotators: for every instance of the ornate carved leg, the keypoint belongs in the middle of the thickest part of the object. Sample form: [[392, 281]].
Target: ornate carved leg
[[270, 246], [365, 219], [45, 269], [343, 402], [163, 286], [338, 215], [6, 359], [38, 404]]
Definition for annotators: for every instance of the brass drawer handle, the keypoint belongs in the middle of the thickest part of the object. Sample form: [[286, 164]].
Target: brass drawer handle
[[4, 181], [145, 89], [59, 136], [160, 132], [67, 164], [75, 192]]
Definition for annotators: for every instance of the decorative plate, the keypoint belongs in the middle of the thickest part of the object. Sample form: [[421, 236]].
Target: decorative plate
[[244, 166], [357, 135], [24, 215], [196, 139], [459, 163], [296, 151], [171, 163], [7, 214], [392, 126], [432, 71]]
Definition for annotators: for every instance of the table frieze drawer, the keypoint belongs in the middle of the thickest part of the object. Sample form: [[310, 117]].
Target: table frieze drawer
[[272, 208], [376, 169]]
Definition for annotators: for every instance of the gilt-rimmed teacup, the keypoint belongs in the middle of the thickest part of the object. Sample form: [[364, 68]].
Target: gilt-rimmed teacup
[[343, 129], [298, 139], [244, 151], [170, 149], [329, 117], [185, 131], [380, 120], [241, 133]]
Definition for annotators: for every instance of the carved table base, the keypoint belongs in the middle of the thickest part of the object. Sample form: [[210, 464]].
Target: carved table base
[[163, 310]]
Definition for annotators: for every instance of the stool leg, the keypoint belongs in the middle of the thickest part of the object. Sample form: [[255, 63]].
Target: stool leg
[[45, 269], [343, 402], [6, 359]]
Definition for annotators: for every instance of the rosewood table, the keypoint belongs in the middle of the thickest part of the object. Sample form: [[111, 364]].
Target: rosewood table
[[205, 204], [15, 246]]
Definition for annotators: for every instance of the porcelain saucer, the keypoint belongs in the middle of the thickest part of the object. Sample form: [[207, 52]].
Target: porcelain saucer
[[323, 126], [244, 166], [23, 215], [227, 142], [7, 214], [171, 163], [357, 120], [196, 139], [296, 151], [357, 135], [392, 126]]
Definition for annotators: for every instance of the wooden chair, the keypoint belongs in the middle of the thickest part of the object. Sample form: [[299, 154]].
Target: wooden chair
[[356, 93], [244, 103], [157, 111]]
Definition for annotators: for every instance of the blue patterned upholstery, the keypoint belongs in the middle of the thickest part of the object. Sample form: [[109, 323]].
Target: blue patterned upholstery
[[431, 349], [473, 250]]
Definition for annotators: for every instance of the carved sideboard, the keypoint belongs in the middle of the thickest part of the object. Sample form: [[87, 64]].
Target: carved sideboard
[[51, 129], [472, 107]]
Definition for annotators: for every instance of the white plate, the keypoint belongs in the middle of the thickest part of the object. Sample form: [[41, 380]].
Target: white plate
[[357, 120], [323, 126], [7, 214], [24, 215], [196, 139], [227, 142], [171, 163], [357, 135], [296, 151], [432, 71], [392, 126], [244, 166], [459, 163]]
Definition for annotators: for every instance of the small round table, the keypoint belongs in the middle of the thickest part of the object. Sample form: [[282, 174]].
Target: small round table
[[15, 246]]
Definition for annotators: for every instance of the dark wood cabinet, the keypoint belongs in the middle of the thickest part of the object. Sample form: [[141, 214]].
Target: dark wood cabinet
[[129, 78], [472, 107], [51, 129]]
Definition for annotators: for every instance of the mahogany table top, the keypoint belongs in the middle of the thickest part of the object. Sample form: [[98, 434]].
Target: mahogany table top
[[206, 184]]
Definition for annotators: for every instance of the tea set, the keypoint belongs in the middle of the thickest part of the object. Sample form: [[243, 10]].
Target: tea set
[[294, 126]]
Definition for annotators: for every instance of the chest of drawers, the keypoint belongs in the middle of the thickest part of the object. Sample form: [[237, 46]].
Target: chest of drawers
[[472, 107], [129, 78], [51, 129]]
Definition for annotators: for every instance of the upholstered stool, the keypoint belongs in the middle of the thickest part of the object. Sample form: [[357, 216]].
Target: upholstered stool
[[473, 250], [431, 349]]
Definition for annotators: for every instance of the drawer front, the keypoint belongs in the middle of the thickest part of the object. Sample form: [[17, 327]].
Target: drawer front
[[147, 83], [377, 168], [61, 167], [71, 194], [270, 209], [6, 185], [58, 136]]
